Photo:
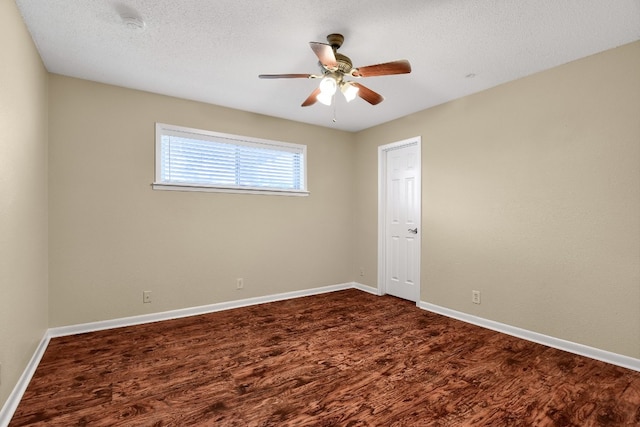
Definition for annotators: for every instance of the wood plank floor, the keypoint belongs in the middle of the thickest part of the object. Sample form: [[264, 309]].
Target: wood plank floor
[[340, 359]]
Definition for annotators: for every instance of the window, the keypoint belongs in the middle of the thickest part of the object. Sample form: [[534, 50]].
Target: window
[[199, 160]]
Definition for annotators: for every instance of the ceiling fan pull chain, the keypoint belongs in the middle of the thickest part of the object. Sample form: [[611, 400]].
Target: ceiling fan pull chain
[[334, 109]]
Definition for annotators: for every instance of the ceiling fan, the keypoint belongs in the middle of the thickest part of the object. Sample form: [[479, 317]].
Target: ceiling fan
[[336, 67]]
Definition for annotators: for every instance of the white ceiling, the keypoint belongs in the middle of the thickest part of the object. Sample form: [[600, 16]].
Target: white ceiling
[[212, 51]]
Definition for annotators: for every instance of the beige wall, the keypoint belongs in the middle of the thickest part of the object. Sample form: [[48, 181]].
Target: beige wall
[[531, 194], [112, 236], [23, 198]]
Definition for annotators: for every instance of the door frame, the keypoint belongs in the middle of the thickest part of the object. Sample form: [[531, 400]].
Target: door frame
[[383, 151]]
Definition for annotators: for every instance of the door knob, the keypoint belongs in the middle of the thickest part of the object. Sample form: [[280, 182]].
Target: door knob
[[414, 230]]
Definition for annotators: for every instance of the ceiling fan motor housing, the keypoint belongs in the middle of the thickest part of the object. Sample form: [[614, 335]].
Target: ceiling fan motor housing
[[344, 63]]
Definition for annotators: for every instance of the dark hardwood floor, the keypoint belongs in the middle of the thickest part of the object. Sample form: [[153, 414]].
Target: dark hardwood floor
[[340, 359]]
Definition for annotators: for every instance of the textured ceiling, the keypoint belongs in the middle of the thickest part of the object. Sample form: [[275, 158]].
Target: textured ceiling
[[213, 51]]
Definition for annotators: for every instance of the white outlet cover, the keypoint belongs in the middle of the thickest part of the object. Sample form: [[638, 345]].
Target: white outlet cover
[[475, 297]]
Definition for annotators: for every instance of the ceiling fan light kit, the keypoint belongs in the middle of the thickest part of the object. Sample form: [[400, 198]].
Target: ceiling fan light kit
[[328, 85], [349, 91], [335, 67], [324, 98]]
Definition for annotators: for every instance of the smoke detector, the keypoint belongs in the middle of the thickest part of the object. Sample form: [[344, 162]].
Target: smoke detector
[[134, 23]]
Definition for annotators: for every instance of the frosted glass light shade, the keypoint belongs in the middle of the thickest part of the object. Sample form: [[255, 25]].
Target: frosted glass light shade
[[349, 91], [324, 98], [328, 86]]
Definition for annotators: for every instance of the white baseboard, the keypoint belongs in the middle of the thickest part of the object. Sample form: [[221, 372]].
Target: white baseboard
[[14, 398], [365, 288], [191, 311], [560, 344]]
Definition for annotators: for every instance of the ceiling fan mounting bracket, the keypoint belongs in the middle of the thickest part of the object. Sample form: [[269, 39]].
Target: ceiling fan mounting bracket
[[335, 40]]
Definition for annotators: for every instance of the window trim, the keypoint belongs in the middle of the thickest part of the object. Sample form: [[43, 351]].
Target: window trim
[[162, 128]]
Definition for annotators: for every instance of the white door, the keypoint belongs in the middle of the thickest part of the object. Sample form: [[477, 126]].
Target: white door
[[400, 209]]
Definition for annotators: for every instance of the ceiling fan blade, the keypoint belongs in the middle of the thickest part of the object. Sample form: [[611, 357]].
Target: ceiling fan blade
[[388, 68], [368, 95], [312, 98], [285, 76], [325, 54]]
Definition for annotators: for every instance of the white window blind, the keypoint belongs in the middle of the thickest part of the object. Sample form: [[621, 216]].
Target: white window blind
[[195, 159]]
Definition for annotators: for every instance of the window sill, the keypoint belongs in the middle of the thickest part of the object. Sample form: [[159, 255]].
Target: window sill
[[213, 189]]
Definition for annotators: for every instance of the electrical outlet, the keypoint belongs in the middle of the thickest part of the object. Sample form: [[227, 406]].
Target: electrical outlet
[[239, 283], [0, 373], [475, 297], [361, 271], [146, 297]]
